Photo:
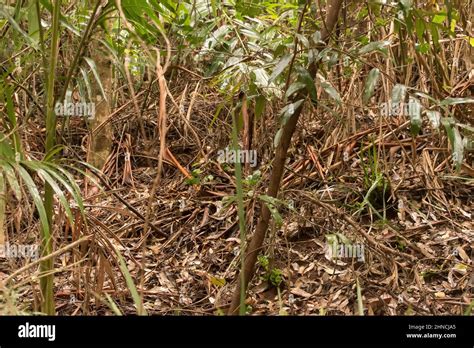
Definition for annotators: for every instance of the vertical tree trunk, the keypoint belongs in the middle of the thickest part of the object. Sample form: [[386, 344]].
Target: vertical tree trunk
[[100, 141], [256, 243]]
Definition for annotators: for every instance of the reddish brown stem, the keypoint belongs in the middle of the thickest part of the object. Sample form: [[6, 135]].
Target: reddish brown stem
[[256, 243]]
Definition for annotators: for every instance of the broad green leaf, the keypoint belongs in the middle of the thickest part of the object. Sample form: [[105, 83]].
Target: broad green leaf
[[398, 94], [406, 4], [6, 150], [307, 79], [303, 40], [452, 25], [434, 117], [277, 138], [294, 87], [370, 84], [33, 22], [289, 110], [260, 77], [434, 34], [420, 29], [53, 152], [439, 18], [343, 239], [219, 282], [329, 89], [373, 46], [280, 66], [414, 111], [423, 47], [251, 34]]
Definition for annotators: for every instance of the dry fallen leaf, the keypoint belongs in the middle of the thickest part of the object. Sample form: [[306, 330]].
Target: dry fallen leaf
[[300, 292]]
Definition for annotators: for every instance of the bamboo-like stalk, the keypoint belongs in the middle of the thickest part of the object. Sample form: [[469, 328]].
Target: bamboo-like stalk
[[47, 282], [241, 214]]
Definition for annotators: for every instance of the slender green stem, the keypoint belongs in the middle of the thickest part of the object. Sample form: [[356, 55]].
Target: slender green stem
[[47, 282], [241, 214], [79, 50]]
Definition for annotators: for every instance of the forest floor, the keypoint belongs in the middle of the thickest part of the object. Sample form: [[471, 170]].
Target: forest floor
[[416, 235]]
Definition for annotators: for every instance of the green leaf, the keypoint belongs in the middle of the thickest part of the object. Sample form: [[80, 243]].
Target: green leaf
[[57, 190], [420, 28], [303, 40], [112, 305], [439, 18], [17, 27], [86, 81], [219, 282], [259, 106], [426, 96], [6, 150], [434, 117], [31, 186], [423, 47], [452, 26], [329, 89], [448, 123], [307, 79], [458, 149], [289, 110], [434, 34], [131, 285], [277, 138], [414, 111], [370, 84], [70, 181], [280, 66], [271, 204], [374, 46], [11, 179], [398, 94], [406, 4], [93, 67], [455, 101], [33, 22], [294, 87]]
